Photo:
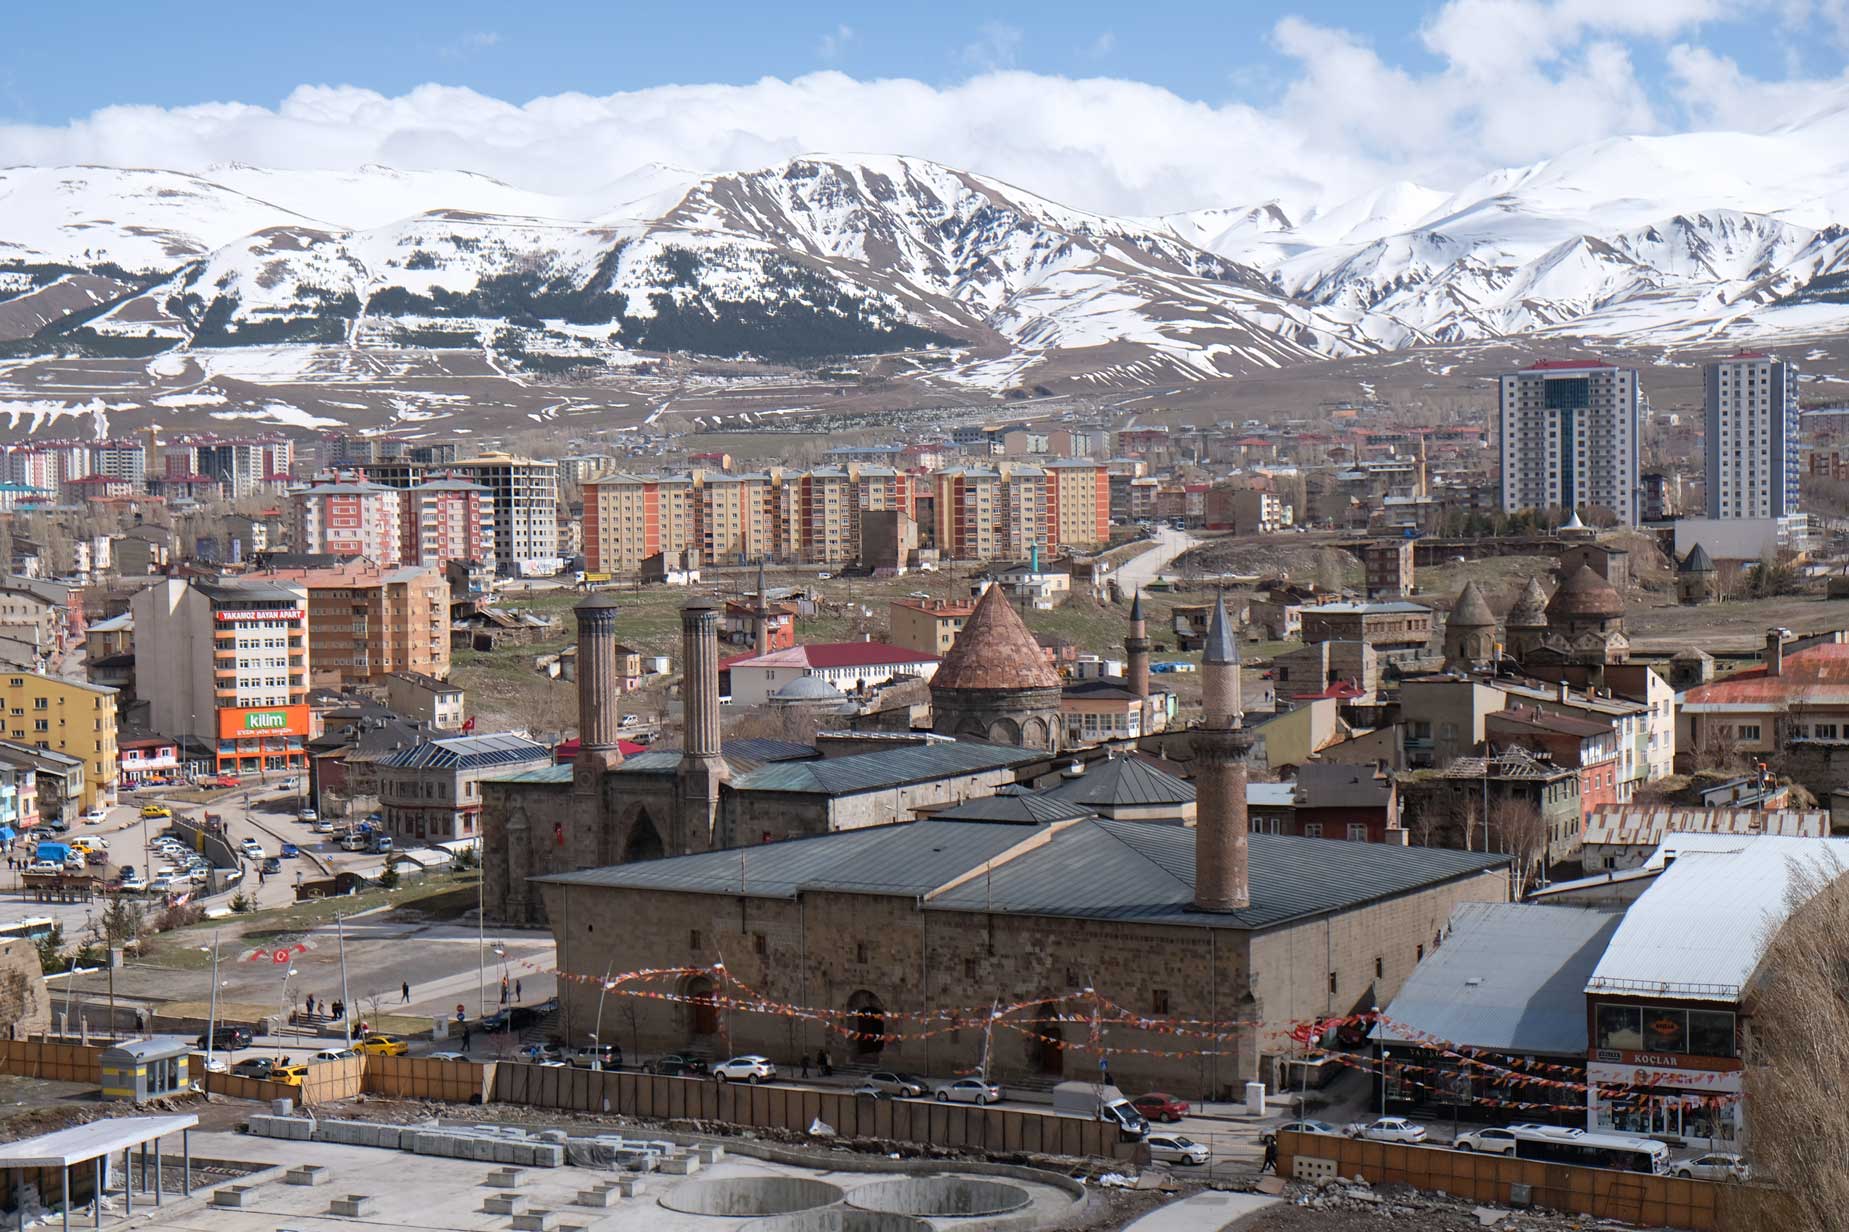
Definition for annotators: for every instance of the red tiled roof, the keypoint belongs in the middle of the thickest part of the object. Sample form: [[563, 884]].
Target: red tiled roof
[[1814, 676]]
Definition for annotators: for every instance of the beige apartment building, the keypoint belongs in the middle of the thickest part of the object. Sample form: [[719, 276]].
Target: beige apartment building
[[929, 626], [68, 717]]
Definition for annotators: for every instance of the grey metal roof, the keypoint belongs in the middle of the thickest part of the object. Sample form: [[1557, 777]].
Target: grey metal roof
[[94, 1140], [1129, 871], [1121, 781], [155, 1047], [1328, 784], [911, 858], [1509, 976], [541, 774], [469, 753], [1017, 805], [840, 776]]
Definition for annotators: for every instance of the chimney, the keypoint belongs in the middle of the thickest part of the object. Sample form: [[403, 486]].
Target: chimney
[[1775, 652], [1220, 746], [1566, 691]]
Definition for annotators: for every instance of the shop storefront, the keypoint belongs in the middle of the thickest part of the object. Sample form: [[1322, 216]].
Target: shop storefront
[[256, 741], [1666, 1071]]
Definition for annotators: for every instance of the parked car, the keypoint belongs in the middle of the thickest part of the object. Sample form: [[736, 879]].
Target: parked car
[[495, 1023], [290, 851], [252, 848], [543, 1052], [1161, 1106], [384, 1046], [215, 1064], [151, 811], [169, 883], [1486, 1141], [969, 1091], [307, 814], [871, 1091], [290, 1075], [598, 1056], [1309, 1127], [323, 826], [131, 883], [679, 1065], [334, 1054], [1176, 1149], [258, 1067], [630, 720], [292, 783], [91, 816], [749, 1068], [1718, 1166], [41, 867], [904, 1085], [227, 1039], [352, 842], [1388, 1129], [91, 844], [270, 865]]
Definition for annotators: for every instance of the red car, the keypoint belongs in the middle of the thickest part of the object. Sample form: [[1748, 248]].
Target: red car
[[1160, 1106]]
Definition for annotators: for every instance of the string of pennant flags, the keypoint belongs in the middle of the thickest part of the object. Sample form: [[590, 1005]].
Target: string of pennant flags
[[1098, 1014]]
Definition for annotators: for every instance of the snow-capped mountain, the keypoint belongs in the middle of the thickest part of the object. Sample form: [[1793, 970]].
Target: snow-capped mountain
[[1695, 238]]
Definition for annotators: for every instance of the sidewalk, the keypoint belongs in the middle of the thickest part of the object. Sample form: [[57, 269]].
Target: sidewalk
[[1204, 1212]]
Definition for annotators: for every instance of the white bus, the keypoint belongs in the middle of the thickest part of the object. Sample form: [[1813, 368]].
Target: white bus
[[1557, 1144]]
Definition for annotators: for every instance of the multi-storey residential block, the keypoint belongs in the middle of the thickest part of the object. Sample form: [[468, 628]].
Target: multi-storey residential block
[[68, 717], [1751, 445], [350, 518], [225, 664], [629, 518], [1078, 503], [1571, 438], [445, 520], [364, 623], [526, 511]]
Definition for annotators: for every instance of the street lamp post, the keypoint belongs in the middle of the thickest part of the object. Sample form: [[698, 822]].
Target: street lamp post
[[211, 1018], [597, 1035], [1385, 1056]]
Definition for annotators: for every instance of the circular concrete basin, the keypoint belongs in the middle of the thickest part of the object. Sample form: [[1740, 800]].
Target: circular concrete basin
[[838, 1219], [953, 1196], [751, 1195]]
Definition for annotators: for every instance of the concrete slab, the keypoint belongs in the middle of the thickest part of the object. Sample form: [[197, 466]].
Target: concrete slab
[[1204, 1212]]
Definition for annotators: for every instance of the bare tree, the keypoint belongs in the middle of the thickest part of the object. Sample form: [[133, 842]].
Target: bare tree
[[1517, 829], [1797, 1055]]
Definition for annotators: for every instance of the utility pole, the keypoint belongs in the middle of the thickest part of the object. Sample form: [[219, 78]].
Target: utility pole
[[211, 1019], [346, 1005]]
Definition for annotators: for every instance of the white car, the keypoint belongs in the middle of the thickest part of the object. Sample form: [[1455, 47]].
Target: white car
[[323, 826], [445, 1056], [1719, 1166], [216, 1064], [970, 1091], [168, 885], [1176, 1149], [1487, 1142], [252, 848], [751, 1068], [132, 885], [334, 1054], [1388, 1129], [45, 866], [307, 814]]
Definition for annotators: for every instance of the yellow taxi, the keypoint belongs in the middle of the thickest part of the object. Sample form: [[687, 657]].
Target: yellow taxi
[[289, 1075], [151, 811], [384, 1046]]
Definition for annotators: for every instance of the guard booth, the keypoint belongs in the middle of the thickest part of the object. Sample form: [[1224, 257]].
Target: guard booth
[[144, 1069]]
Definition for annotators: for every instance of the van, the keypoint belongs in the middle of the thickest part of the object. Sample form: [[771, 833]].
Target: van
[[353, 842], [1100, 1102], [381, 843]]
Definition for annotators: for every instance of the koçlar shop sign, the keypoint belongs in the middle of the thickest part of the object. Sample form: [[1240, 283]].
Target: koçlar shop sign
[[237, 722]]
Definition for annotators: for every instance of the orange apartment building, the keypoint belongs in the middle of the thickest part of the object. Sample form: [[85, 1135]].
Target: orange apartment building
[[364, 624]]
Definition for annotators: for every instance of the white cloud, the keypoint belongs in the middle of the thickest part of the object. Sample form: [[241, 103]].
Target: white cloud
[[1511, 81], [994, 47], [834, 44], [1102, 46], [469, 44]]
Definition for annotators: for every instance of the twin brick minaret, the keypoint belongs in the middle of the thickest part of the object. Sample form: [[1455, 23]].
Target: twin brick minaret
[[599, 688], [702, 767], [1220, 747]]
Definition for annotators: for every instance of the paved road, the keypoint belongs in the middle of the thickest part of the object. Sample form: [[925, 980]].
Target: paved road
[[1144, 569]]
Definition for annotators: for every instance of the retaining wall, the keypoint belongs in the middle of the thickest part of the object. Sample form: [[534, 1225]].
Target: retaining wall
[[998, 1130], [1634, 1197]]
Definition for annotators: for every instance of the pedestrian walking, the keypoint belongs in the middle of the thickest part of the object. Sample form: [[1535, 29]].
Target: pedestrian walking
[[1270, 1163], [406, 989], [805, 1060], [516, 992], [465, 1037]]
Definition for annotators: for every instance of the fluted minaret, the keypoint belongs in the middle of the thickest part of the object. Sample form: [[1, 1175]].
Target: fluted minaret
[[1136, 655], [1220, 747], [702, 767], [763, 612], [599, 688]]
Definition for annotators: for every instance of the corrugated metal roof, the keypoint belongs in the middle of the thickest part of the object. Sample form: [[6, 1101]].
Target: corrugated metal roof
[[1274, 795], [468, 753], [1814, 676], [1510, 976], [840, 776], [1121, 782], [1700, 929], [1640, 826], [92, 1141], [544, 774]]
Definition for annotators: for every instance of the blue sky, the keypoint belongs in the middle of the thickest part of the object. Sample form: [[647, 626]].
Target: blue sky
[[219, 50], [1158, 106]]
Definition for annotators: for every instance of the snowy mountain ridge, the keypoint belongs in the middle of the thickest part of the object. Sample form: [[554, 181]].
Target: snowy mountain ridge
[[1697, 238]]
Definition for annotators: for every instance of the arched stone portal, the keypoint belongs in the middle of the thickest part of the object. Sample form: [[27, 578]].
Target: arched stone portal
[[867, 1019], [1044, 1045], [644, 840]]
